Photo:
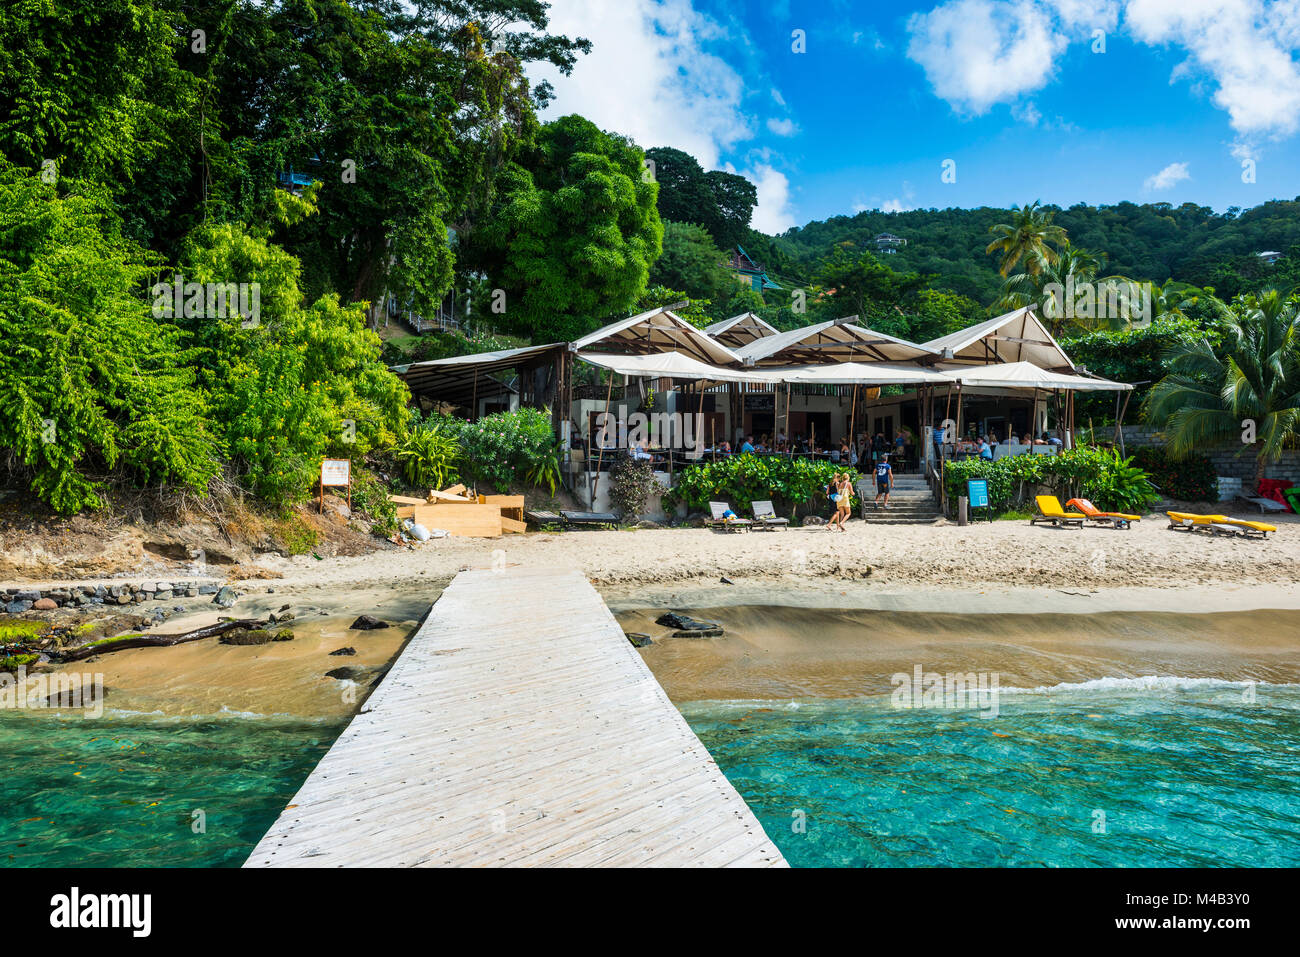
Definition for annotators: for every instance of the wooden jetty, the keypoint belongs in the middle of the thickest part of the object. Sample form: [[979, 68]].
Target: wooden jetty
[[519, 727]]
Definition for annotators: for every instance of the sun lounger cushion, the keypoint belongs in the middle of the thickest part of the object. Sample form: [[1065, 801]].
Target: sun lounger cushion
[[1085, 506], [1049, 507]]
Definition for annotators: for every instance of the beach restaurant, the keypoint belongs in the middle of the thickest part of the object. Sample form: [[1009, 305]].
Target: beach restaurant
[[742, 379]]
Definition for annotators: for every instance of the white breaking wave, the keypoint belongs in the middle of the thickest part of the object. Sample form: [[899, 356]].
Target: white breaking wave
[[1144, 683]]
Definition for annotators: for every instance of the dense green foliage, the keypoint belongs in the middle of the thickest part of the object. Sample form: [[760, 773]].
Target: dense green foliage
[[574, 233], [1112, 483], [1150, 241], [787, 482], [1244, 390], [502, 448], [146, 142], [1190, 479], [690, 260], [428, 456], [90, 382]]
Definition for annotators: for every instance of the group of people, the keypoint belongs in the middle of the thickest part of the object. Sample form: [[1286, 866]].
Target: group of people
[[984, 443], [840, 492]]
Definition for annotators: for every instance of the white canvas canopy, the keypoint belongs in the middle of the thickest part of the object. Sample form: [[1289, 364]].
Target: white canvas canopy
[[835, 341], [1016, 336], [1026, 375], [859, 373], [740, 330], [656, 331], [674, 365]]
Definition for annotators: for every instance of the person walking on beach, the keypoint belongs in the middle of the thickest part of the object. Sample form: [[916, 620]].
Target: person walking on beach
[[884, 480], [840, 499]]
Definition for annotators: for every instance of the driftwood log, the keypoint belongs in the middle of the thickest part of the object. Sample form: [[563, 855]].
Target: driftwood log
[[156, 641]]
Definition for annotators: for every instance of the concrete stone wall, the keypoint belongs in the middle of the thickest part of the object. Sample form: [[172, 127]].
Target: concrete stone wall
[[1229, 461]]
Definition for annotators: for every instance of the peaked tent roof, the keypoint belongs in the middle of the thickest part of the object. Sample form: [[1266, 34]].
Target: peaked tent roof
[[1026, 375], [459, 378], [740, 330], [659, 330], [1016, 336], [835, 341]]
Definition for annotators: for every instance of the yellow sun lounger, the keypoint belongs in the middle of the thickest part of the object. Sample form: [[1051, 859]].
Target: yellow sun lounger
[[1113, 519], [1049, 510], [1219, 524]]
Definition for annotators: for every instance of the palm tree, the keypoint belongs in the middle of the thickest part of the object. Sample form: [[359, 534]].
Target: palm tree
[[1251, 384], [1045, 287], [1026, 238]]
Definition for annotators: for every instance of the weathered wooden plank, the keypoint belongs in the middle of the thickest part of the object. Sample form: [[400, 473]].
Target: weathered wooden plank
[[518, 728]]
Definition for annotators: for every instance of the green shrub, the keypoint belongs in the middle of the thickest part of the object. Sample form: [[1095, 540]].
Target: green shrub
[[1110, 482], [740, 479], [428, 455], [504, 447], [1188, 480], [631, 483]]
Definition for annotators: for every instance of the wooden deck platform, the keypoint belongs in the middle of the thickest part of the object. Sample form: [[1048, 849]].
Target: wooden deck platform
[[519, 727]]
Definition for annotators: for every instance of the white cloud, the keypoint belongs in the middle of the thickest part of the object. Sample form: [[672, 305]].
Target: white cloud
[[976, 53], [773, 214], [1169, 176], [1246, 48], [1243, 53], [782, 127], [894, 206], [649, 75]]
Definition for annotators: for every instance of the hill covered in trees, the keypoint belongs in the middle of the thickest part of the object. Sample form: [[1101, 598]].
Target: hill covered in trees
[[1150, 242]]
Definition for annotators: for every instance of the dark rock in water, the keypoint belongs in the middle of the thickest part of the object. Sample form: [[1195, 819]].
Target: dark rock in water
[[344, 651], [226, 597], [284, 607], [283, 616], [638, 640], [714, 632], [724, 580], [346, 674], [246, 636], [685, 623], [368, 623], [284, 634]]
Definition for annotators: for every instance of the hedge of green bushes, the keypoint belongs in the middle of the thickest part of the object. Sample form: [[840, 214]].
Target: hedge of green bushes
[[1112, 483], [742, 479]]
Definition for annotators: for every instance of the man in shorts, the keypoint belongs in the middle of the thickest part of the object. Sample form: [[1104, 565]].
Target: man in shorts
[[884, 480]]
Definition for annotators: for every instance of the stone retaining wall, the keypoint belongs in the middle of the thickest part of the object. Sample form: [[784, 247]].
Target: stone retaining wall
[[1228, 461], [16, 599]]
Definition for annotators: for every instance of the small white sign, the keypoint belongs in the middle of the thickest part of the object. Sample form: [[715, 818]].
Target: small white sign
[[334, 472]]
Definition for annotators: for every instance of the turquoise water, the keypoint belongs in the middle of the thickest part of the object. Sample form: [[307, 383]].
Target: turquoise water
[[1185, 772], [119, 792]]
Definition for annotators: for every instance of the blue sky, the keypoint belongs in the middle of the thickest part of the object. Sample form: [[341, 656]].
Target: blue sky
[[1019, 94]]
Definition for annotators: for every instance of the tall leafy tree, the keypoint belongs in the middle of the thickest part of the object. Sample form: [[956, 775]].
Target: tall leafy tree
[[573, 235], [862, 285], [723, 203], [1247, 387]]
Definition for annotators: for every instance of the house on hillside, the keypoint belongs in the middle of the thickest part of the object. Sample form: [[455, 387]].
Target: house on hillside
[[1269, 257], [887, 243], [748, 272]]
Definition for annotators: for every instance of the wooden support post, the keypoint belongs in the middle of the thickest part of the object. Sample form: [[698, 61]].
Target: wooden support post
[[853, 413], [595, 482]]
